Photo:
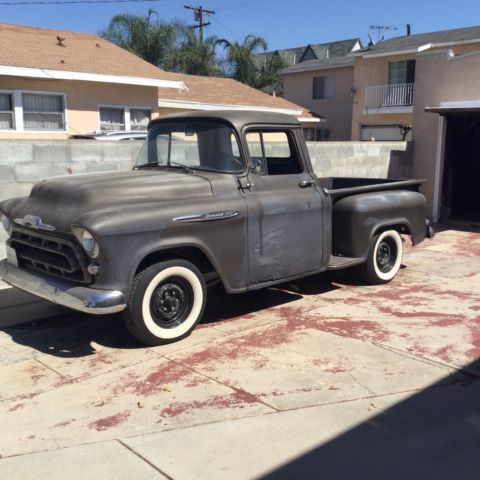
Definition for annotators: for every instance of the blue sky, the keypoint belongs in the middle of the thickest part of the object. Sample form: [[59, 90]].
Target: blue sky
[[283, 23]]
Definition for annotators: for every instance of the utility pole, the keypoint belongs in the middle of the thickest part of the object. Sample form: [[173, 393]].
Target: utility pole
[[198, 13]]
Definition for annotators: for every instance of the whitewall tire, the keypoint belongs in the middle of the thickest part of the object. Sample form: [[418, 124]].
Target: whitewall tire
[[384, 258], [166, 302]]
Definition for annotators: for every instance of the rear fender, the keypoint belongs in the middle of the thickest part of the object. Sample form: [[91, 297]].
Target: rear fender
[[357, 218]]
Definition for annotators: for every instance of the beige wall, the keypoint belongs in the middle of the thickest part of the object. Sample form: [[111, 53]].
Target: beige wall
[[439, 78], [82, 101], [371, 72], [298, 88]]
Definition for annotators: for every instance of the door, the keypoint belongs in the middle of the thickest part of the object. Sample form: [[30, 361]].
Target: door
[[285, 209]]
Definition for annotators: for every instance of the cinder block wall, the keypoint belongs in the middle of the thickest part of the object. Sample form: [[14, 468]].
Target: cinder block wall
[[362, 159], [22, 163]]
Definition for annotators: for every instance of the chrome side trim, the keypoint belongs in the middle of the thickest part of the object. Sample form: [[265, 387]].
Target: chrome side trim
[[83, 299], [208, 217], [35, 222]]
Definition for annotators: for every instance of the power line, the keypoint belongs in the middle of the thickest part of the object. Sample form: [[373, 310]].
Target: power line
[[198, 13], [71, 2], [239, 4], [216, 20]]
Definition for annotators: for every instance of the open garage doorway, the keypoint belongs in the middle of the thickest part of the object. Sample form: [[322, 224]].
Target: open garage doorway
[[461, 175]]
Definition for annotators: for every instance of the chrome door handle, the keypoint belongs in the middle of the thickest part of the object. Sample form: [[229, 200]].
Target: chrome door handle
[[306, 183]]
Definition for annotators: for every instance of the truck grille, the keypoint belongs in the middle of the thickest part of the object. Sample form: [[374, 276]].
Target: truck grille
[[50, 254]]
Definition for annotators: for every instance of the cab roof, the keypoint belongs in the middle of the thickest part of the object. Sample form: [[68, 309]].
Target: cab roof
[[237, 118]]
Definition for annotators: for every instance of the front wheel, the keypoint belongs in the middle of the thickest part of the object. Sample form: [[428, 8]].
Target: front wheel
[[166, 302], [384, 258]]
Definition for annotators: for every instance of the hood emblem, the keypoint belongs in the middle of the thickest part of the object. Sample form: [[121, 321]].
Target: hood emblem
[[35, 222]]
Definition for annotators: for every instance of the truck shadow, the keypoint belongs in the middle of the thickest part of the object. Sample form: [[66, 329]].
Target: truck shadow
[[74, 334], [433, 434]]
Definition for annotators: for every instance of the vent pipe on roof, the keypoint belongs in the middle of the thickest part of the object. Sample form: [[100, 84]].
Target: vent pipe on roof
[[409, 29], [61, 41]]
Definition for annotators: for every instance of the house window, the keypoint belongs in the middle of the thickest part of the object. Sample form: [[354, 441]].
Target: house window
[[139, 119], [6, 111], [43, 111], [323, 87], [402, 72], [316, 134], [112, 118]]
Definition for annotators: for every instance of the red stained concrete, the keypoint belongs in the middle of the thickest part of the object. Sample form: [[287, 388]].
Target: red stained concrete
[[110, 422], [418, 315]]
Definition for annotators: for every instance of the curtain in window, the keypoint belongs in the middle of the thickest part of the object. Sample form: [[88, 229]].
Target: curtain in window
[[43, 112], [139, 119], [112, 119], [6, 113]]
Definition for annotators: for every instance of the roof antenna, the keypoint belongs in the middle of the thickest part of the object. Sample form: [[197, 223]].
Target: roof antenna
[[371, 43]]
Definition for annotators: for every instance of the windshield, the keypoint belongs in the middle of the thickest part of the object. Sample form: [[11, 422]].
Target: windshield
[[198, 145]]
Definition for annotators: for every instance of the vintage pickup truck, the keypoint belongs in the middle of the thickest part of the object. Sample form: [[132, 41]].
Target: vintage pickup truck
[[219, 196]]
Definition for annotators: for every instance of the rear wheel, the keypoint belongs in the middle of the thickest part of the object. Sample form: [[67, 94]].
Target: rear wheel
[[384, 258], [166, 302]]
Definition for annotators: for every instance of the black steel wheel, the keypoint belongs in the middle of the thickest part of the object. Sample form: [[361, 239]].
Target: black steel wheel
[[384, 258], [166, 302]]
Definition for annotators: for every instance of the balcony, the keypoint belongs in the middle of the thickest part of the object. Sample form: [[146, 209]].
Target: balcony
[[389, 99]]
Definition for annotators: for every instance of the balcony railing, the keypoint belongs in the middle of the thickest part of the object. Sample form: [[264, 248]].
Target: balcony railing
[[389, 96]]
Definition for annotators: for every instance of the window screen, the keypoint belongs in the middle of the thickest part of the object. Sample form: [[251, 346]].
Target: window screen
[[43, 112]]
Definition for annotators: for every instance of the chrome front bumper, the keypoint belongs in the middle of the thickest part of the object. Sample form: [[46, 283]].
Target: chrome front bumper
[[83, 299]]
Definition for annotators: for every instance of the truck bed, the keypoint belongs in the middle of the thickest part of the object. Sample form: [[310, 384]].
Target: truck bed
[[339, 187]]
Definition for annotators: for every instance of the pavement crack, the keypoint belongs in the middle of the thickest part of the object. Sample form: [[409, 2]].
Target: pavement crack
[[360, 384], [144, 459], [232, 387], [51, 369]]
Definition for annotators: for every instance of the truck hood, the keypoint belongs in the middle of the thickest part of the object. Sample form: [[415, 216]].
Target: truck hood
[[59, 201]]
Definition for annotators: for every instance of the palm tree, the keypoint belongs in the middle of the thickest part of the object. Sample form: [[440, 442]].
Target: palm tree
[[268, 79], [149, 37], [196, 57], [240, 63]]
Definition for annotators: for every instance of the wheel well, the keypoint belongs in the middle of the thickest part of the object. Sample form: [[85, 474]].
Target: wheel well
[[401, 228], [191, 254]]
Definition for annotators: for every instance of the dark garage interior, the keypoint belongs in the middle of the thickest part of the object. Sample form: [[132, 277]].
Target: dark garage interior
[[461, 179]]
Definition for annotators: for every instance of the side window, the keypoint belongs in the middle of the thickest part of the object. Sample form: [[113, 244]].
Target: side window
[[276, 150], [255, 147]]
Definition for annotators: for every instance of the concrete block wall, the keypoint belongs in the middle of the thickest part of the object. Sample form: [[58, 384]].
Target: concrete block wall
[[362, 159], [22, 163]]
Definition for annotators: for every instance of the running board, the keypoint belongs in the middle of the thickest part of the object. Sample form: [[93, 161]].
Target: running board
[[339, 263]]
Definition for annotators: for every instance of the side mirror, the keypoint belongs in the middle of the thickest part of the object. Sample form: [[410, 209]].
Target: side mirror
[[255, 165]]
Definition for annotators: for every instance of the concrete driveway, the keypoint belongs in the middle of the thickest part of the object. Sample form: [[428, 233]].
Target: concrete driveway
[[320, 378]]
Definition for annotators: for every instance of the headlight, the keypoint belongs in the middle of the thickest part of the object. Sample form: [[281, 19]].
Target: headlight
[[89, 244], [6, 222]]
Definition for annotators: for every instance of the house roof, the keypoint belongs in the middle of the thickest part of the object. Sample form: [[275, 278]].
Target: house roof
[[335, 49], [296, 55], [206, 93], [413, 42], [25, 49], [322, 64]]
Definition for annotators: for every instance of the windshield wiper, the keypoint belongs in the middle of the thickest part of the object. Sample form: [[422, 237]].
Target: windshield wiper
[[156, 164], [182, 166]]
